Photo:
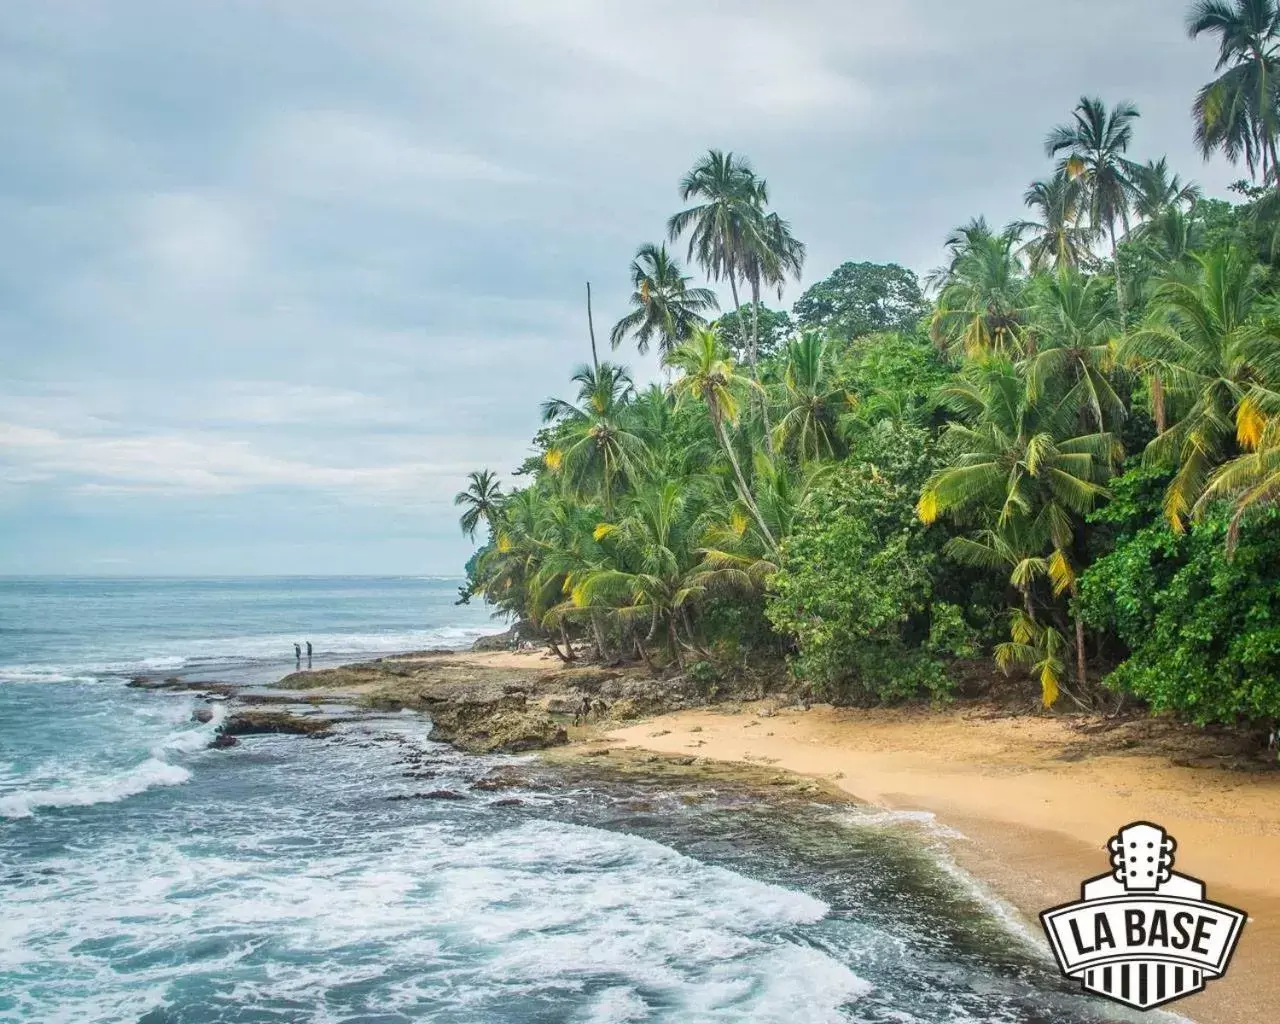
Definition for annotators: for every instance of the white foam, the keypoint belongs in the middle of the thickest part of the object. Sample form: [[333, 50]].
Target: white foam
[[151, 773]]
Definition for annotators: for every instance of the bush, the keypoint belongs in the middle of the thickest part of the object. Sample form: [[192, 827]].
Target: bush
[[1202, 628], [855, 584]]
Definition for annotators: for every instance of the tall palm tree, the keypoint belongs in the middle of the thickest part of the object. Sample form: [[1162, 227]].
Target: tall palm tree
[[1021, 469], [1239, 111], [595, 445], [725, 226], [980, 291], [666, 308], [1220, 368], [707, 373], [773, 254], [812, 400], [1094, 144], [481, 498], [1058, 241]]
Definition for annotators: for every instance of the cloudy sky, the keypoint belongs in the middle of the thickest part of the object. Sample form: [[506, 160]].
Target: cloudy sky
[[275, 275]]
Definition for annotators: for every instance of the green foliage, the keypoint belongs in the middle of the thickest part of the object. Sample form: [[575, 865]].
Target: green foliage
[[1202, 628], [862, 298], [736, 329], [855, 581]]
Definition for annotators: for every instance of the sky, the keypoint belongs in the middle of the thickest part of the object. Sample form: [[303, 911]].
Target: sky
[[276, 275]]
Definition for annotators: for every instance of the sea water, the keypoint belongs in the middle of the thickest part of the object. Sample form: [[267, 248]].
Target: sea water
[[146, 878]]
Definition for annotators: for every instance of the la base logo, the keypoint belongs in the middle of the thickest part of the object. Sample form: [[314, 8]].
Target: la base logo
[[1143, 934]]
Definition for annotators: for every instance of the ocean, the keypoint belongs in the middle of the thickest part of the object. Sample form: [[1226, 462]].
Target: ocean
[[146, 878]]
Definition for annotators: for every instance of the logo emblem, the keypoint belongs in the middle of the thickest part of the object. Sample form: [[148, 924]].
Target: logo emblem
[[1143, 935]]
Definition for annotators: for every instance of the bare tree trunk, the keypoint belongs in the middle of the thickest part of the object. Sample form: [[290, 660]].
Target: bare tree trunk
[[755, 372], [564, 639], [595, 361]]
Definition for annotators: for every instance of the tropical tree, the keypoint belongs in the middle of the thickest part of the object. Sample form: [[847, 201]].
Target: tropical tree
[[858, 299], [1239, 111], [980, 292], [666, 308], [1157, 190], [1057, 240], [481, 499], [707, 373], [724, 227], [1093, 148], [1020, 471], [811, 400], [1250, 480], [1220, 367], [595, 445], [1073, 326], [771, 256]]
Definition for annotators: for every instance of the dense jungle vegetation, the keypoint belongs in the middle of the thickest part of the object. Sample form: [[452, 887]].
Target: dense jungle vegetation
[[1061, 451]]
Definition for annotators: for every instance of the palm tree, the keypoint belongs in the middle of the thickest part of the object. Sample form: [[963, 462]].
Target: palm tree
[[1156, 190], [1021, 471], [666, 309], [725, 227], [1221, 370], [650, 574], [980, 297], [1057, 242], [1239, 111], [482, 498], [1252, 480], [595, 445], [1095, 143], [812, 400], [1073, 326], [773, 254], [707, 373]]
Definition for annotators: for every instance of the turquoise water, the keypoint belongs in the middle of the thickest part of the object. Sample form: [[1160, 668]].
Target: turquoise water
[[145, 878]]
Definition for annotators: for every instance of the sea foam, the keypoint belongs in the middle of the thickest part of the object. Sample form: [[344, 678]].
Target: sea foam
[[147, 775]]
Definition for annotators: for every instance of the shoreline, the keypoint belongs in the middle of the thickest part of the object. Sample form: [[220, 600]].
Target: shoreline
[[1022, 812], [1026, 802]]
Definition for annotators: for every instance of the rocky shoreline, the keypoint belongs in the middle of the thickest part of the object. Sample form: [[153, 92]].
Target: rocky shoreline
[[480, 701]]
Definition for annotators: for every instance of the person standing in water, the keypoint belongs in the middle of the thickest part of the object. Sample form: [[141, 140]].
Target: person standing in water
[[297, 653], [308, 650]]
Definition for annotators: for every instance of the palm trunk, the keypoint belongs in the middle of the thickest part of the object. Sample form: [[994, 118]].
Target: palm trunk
[[1081, 675], [568, 647], [744, 492], [591, 327], [755, 355], [1115, 262], [1157, 401], [597, 630]]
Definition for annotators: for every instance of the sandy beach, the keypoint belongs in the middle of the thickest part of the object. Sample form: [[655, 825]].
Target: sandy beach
[[1032, 809]]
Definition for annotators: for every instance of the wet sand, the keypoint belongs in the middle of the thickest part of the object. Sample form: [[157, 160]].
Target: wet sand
[[1032, 811]]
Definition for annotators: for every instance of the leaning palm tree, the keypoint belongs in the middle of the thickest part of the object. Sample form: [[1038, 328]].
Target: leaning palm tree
[[1021, 469], [1239, 111], [1093, 147], [481, 499], [666, 308], [980, 292], [1220, 367], [1058, 240], [725, 226], [1251, 480], [707, 373]]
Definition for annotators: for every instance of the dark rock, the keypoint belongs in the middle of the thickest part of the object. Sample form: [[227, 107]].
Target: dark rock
[[222, 740], [202, 715], [500, 780], [443, 794], [508, 801], [497, 642], [259, 723]]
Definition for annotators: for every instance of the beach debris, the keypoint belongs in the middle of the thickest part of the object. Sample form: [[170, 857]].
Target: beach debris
[[660, 732]]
